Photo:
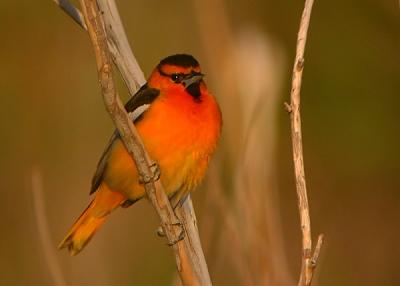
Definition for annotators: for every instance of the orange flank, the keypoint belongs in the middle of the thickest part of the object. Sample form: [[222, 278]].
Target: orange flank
[[179, 122]]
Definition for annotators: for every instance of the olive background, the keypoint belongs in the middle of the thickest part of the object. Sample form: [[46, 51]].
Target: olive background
[[53, 121]]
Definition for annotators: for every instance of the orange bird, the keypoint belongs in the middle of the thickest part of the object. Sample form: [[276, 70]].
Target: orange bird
[[179, 122]]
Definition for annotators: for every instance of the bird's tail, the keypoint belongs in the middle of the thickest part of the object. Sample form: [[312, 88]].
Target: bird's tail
[[91, 219]]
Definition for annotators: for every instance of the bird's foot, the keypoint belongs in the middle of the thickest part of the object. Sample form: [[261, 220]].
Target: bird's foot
[[160, 231], [181, 236], [154, 176], [155, 170]]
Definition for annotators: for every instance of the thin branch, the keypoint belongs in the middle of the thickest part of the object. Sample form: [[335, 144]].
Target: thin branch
[[43, 228], [187, 217], [119, 47], [317, 250], [133, 76], [308, 259], [190, 271]]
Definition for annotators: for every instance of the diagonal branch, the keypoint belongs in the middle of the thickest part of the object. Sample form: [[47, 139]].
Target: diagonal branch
[[120, 49], [309, 259], [113, 43]]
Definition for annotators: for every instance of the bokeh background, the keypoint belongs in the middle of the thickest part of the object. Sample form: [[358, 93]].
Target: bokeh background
[[54, 127]]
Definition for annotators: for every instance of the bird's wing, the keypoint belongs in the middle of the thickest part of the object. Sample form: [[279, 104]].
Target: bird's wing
[[136, 106]]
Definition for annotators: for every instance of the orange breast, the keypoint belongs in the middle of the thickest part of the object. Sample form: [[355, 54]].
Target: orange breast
[[180, 135]]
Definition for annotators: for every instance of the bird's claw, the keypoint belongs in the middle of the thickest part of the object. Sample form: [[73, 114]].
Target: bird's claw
[[160, 231], [181, 236], [155, 170], [154, 176]]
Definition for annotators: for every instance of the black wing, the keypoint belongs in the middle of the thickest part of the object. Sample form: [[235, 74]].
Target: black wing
[[136, 106]]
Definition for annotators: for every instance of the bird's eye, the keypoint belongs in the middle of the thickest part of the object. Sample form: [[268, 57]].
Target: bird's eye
[[176, 77]]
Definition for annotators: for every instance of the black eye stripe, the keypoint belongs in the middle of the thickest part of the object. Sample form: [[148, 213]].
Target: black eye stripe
[[178, 77]]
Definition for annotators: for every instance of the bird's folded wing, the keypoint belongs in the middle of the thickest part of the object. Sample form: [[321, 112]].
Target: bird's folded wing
[[136, 107]]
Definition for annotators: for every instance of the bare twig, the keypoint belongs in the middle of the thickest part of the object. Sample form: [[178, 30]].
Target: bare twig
[[119, 47], [43, 228], [309, 259], [317, 250], [189, 259], [187, 217]]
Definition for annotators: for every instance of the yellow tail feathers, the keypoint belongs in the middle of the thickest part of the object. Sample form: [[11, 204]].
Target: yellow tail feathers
[[91, 219]]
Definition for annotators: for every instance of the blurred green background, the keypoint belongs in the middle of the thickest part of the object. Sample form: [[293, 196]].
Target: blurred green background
[[53, 120]]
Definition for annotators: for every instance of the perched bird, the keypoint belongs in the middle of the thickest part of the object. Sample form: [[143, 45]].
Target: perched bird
[[179, 122]]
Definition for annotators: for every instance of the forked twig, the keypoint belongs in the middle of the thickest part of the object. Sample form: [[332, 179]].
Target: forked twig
[[309, 259]]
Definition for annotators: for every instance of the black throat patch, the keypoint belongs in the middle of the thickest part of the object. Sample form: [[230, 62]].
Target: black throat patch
[[194, 91]]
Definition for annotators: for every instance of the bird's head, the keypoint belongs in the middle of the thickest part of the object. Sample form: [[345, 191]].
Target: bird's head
[[178, 74]]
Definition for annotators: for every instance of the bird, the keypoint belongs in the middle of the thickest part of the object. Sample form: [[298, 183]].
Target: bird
[[180, 123]]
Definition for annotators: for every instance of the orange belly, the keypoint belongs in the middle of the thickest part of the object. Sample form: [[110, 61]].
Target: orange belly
[[182, 151]]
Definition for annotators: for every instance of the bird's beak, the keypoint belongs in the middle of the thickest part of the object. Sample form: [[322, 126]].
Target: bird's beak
[[196, 78]]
